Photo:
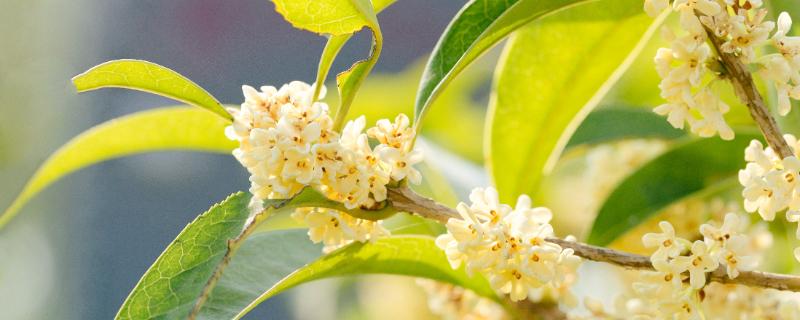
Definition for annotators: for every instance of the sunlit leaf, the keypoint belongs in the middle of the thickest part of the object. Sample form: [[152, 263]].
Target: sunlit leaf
[[171, 128], [335, 44], [403, 255], [148, 77], [338, 19], [477, 27], [351, 79], [553, 72], [386, 95], [334, 17], [609, 124], [677, 173]]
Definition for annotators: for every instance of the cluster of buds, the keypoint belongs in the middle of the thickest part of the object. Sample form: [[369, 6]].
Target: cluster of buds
[[336, 229], [689, 67], [771, 184], [508, 246], [288, 142]]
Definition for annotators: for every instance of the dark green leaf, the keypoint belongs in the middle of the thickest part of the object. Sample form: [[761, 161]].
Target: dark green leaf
[[681, 171], [168, 290], [262, 261], [477, 27], [611, 124]]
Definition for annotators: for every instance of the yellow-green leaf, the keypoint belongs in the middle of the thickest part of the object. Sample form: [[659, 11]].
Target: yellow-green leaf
[[337, 18], [350, 81], [148, 77], [477, 27], [171, 128], [334, 17], [552, 73], [335, 44]]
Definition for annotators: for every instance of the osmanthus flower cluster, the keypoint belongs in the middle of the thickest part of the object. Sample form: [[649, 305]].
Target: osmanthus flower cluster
[[335, 228], [678, 261], [690, 70], [678, 289], [509, 247], [287, 142], [771, 184]]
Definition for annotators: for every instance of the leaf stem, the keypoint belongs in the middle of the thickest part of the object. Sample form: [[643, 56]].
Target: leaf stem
[[745, 89]]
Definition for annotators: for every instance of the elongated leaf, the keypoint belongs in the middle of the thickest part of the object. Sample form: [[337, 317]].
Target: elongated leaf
[[170, 287], [335, 44], [186, 275], [477, 27], [334, 17], [171, 128], [403, 255], [350, 81], [148, 77], [553, 72], [262, 261], [337, 18], [681, 171], [611, 124]]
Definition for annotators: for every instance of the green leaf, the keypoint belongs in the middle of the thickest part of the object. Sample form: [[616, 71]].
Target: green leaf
[[184, 278], [350, 81], [329, 53], [611, 124], [334, 45], [263, 260], [477, 27], [415, 256], [552, 74], [148, 77], [339, 19], [681, 171], [170, 287], [334, 17], [171, 128]]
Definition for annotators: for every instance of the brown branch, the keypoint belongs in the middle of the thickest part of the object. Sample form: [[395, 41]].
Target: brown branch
[[744, 87], [407, 200]]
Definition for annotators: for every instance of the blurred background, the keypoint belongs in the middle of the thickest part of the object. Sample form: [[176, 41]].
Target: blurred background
[[78, 249]]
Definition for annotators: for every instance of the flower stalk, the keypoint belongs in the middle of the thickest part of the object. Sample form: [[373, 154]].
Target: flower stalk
[[405, 199], [745, 89]]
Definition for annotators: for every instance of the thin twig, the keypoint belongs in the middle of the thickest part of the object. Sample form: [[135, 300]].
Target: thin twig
[[407, 200], [744, 87]]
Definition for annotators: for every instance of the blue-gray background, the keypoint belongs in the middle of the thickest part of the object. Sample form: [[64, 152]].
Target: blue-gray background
[[77, 249]]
